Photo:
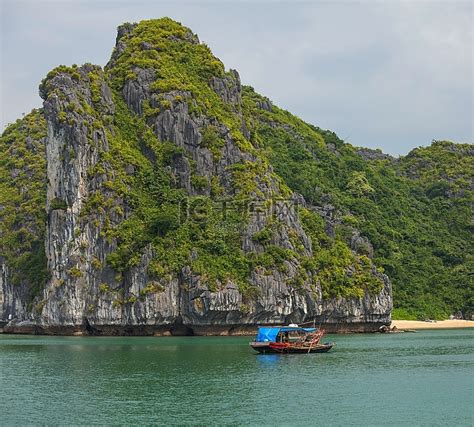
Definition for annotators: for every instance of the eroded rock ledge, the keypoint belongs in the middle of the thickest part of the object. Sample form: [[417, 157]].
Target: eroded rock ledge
[[28, 328]]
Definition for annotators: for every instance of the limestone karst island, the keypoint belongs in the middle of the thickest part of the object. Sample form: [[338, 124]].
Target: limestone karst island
[[158, 195]]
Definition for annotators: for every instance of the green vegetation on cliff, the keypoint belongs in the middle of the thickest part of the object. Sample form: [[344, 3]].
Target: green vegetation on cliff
[[22, 201]]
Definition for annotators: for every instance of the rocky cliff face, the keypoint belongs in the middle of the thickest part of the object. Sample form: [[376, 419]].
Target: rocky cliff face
[[127, 146]]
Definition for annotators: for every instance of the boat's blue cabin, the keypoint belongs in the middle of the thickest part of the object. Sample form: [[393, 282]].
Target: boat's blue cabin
[[270, 334]]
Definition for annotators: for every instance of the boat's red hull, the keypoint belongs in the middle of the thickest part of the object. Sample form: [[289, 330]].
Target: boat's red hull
[[271, 347]]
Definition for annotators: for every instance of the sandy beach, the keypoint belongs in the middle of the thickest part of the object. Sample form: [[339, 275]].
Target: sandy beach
[[440, 324]]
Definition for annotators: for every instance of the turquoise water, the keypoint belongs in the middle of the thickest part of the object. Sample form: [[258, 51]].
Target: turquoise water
[[406, 379]]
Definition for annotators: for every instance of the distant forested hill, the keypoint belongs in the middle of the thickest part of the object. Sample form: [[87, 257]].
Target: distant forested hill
[[415, 210]]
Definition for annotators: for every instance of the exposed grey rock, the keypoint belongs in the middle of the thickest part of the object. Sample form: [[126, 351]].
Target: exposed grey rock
[[146, 46], [370, 154], [12, 298], [182, 172], [228, 88], [361, 245], [124, 30], [21, 327], [265, 104], [136, 91], [279, 303]]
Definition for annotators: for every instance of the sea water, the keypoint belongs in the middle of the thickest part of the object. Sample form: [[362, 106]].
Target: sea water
[[423, 378]]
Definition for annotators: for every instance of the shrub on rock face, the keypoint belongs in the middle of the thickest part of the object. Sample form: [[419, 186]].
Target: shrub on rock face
[[212, 141], [358, 185], [199, 182], [262, 236], [438, 189], [75, 272], [161, 223], [58, 204]]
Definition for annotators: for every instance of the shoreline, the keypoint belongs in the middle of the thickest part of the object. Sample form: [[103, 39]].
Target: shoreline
[[29, 328], [440, 324]]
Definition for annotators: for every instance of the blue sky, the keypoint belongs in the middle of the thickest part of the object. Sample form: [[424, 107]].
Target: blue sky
[[382, 74]]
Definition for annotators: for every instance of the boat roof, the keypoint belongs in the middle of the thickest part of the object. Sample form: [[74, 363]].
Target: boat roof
[[269, 333]]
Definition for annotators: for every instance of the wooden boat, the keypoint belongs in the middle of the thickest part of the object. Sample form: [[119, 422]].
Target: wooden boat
[[290, 339], [294, 348]]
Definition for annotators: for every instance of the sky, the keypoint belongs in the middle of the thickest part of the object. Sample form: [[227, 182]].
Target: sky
[[387, 74]]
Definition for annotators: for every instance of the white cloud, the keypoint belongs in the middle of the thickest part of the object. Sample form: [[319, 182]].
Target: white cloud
[[389, 75]]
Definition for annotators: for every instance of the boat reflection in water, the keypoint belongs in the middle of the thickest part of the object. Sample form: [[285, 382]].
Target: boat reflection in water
[[269, 361], [290, 339]]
